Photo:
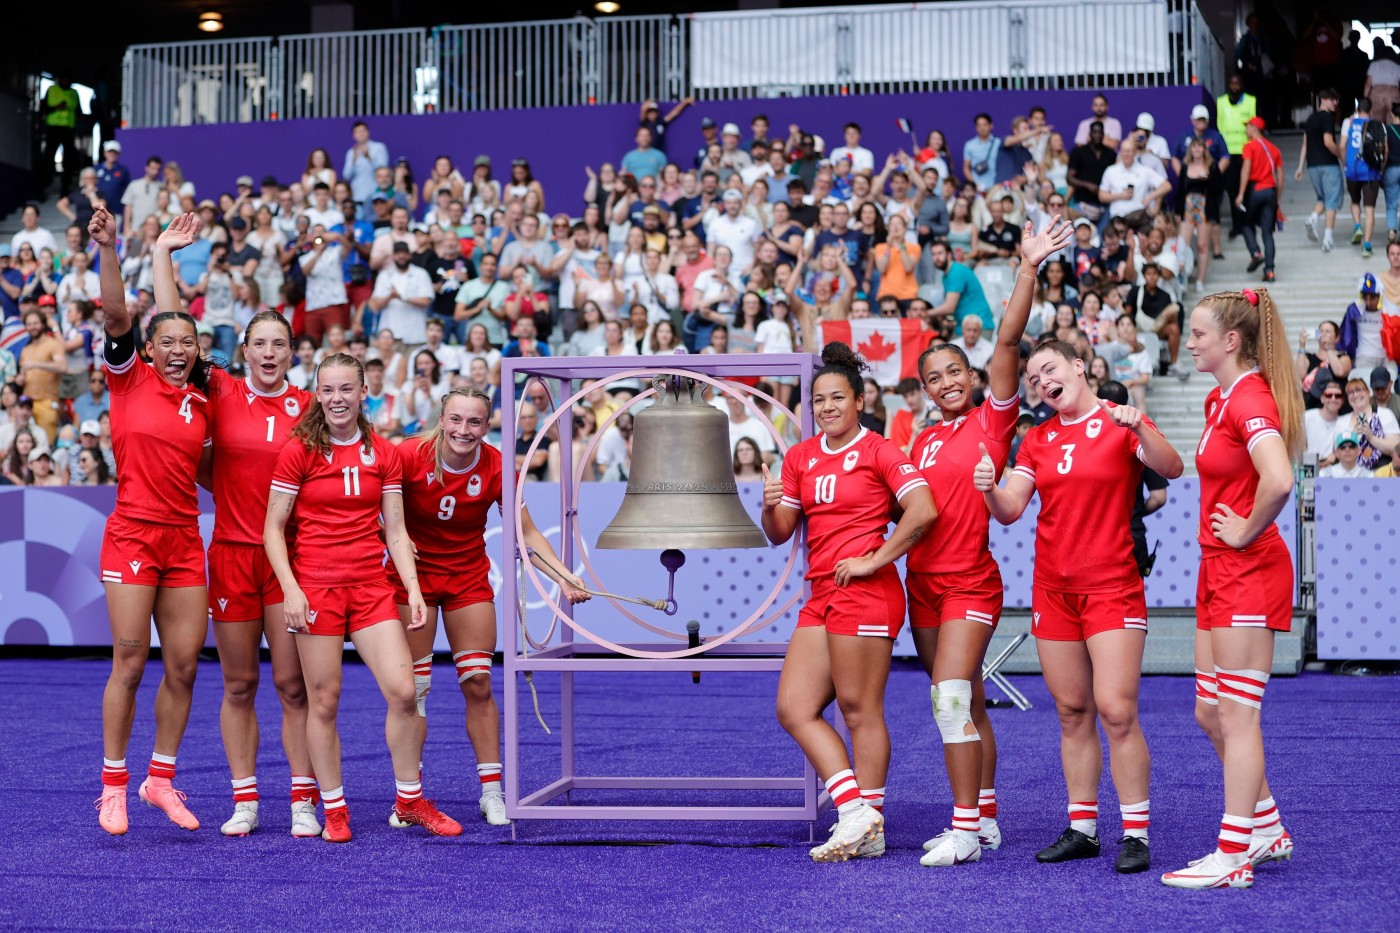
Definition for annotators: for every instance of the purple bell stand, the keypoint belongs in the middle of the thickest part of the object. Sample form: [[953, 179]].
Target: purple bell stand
[[569, 648]]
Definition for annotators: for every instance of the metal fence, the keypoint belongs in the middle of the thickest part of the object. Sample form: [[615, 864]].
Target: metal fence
[[975, 45]]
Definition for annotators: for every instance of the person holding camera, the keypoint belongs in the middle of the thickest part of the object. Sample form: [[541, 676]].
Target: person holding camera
[[326, 301]]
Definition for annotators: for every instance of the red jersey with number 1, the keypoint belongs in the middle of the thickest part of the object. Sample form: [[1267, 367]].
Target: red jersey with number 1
[[846, 494], [1087, 472], [445, 511], [337, 508], [159, 432], [946, 454], [1236, 419], [250, 429]]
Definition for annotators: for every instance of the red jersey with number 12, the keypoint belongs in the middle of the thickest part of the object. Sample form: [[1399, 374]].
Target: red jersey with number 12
[[1087, 472], [250, 429], [445, 511], [337, 508], [1236, 419], [846, 494], [946, 454], [159, 433]]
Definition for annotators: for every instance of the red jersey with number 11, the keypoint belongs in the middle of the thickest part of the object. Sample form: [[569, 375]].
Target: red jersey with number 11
[[445, 511], [1237, 418], [337, 509], [1087, 472]]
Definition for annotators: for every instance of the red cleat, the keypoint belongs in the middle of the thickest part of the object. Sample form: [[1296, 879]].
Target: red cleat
[[423, 813], [337, 825]]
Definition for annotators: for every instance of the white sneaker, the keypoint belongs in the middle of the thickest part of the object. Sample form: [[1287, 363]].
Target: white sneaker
[[860, 826], [1263, 849], [1327, 242], [951, 847], [493, 807], [1211, 872], [244, 819], [1311, 226], [989, 834], [304, 822]]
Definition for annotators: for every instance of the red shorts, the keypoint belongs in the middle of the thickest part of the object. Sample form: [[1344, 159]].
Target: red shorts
[[1252, 589], [447, 591], [935, 598], [340, 610], [241, 582], [1061, 616], [871, 605], [146, 554]]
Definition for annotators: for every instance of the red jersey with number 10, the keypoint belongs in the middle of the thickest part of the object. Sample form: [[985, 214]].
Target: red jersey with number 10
[[250, 429], [946, 454], [846, 494], [1087, 472], [337, 509], [159, 433], [1236, 419], [445, 511]]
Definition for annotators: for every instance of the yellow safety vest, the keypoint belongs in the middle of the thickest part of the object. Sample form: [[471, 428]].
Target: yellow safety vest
[[1231, 118], [55, 96]]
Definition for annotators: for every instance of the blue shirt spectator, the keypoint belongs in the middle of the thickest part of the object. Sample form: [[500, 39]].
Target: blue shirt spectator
[[192, 262], [13, 279], [361, 160], [980, 154], [88, 408], [644, 161], [112, 176], [962, 292]]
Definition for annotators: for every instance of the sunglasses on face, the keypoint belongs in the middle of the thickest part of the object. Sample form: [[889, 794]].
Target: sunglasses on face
[[1331, 395]]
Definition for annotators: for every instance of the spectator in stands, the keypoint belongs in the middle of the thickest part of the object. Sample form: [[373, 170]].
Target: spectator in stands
[[644, 161], [963, 294], [22, 419], [523, 183], [381, 252], [528, 249], [33, 234], [1320, 155], [1153, 308], [1200, 184], [999, 240], [87, 406], [139, 200], [1367, 422], [1134, 367], [1112, 129], [326, 301], [1363, 175], [980, 154], [1152, 149], [401, 297], [19, 455], [1361, 329], [743, 425], [1131, 189], [862, 159], [42, 363], [1381, 394], [362, 161], [1088, 162], [526, 300], [448, 270], [112, 176], [80, 284], [1347, 465], [1322, 425], [896, 260], [90, 469], [1317, 370], [734, 230], [78, 206], [1261, 187], [1233, 110], [973, 342]]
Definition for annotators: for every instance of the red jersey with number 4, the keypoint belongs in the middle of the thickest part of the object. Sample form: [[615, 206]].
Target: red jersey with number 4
[[1086, 472], [846, 494], [159, 433], [946, 454], [1236, 419], [445, 511], [250, 429], [337, 509]]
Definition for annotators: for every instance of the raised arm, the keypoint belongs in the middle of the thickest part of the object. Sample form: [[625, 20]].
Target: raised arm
[[1003, 372], [1157, 452], [103, 231], [181, 233]]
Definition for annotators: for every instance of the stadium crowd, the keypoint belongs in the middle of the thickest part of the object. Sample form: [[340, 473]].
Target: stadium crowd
[[744, 240]]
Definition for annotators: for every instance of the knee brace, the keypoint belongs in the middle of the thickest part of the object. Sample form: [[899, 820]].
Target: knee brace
[[952, 711], [471, 663], [1206, 689], [422, 683], [1245, 687]]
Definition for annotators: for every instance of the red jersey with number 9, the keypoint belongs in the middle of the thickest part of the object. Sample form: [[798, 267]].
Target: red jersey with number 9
[[846, 494], [337, 509], [946, 454], [250, 429], [446, 511], [159, 433], [1087, 472], [1237, 418]]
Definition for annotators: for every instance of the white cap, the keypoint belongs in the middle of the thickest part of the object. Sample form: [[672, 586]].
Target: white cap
[[731, 194], [1146, 122], [90, 426], [1200, 112], [730, 129], [111, 145]]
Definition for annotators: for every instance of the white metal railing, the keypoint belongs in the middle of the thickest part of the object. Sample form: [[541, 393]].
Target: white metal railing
[[918, 47]]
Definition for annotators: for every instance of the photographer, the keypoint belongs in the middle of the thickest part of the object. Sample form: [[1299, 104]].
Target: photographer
[[326, 301]]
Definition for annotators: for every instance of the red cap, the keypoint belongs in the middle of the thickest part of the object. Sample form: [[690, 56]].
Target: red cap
[[47, 301], [1257, 123]]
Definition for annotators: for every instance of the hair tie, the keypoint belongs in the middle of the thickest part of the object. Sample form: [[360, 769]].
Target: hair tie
[[1251, 296]]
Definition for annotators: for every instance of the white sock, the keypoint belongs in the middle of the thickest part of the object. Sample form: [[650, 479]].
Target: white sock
[[966, 821], [1267, 822], [1135, 819], [1084, 817]]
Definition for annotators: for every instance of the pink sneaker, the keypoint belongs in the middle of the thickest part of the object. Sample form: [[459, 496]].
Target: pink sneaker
[[158, 793], [111, 809]]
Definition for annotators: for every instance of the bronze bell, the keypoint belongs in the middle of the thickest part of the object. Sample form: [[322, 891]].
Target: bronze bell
[[681, 492]]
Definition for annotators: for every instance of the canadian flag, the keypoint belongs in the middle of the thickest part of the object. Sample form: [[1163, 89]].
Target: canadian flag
[[890, 345]]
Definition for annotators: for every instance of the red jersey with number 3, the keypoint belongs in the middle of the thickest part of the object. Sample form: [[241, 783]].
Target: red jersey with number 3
[[1237, 418], [846, 494], [946, 454], [337, 508], [1087, 472], [250, 429], [446, 511], [159, 433]]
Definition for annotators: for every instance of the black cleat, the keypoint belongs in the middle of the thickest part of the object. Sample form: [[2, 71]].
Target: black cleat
[[1133, 857], [1255, 263], [1071, 845]]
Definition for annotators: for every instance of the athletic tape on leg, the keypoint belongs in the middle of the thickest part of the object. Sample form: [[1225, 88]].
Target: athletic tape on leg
[[1245, 687], [952, 711], [422, 683], [471, 663], [1206, 690]]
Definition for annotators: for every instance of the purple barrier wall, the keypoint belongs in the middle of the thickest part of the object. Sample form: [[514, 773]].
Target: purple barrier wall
[[50, 540], [560, 141]]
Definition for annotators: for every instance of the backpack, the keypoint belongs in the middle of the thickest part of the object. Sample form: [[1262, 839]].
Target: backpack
[[1373, 145]]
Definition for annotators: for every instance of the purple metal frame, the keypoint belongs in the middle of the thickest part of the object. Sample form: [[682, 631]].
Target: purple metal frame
[[566, 658]]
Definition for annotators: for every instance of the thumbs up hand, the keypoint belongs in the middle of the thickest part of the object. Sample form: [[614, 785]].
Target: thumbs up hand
[[984, 476], [772, 489], [1125, 416]]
